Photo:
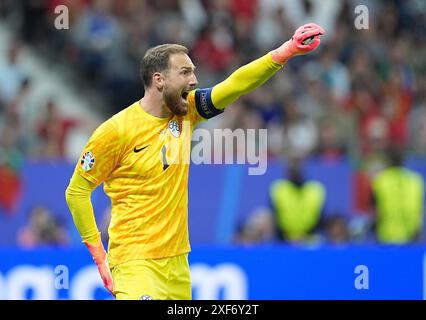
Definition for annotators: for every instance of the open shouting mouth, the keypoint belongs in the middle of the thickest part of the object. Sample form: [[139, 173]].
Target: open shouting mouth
[[184, 95]]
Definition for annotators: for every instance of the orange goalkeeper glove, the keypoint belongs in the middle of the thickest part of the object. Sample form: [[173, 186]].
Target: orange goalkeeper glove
[[100, 257], [305, 39]]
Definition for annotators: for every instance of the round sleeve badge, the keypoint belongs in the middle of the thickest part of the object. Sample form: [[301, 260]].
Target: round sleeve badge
[[87, 161]]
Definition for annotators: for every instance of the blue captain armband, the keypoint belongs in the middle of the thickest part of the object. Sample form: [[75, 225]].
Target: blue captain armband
[[204, 104]]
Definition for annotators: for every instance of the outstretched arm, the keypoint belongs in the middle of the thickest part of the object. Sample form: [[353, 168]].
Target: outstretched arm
[[249, 77]]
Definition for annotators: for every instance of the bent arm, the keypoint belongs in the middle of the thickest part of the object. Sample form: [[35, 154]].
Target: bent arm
[[244, 80], [78, 199]]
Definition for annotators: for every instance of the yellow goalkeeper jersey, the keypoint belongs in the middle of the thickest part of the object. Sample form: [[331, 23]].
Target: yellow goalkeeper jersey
[[144, 161]]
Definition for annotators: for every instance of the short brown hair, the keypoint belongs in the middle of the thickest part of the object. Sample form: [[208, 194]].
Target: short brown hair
[[156, 59]]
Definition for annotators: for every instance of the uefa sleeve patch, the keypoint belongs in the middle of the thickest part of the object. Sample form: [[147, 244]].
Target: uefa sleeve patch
[[87, 161]]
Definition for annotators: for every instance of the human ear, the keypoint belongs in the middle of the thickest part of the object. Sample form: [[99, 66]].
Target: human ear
[[158, 80]]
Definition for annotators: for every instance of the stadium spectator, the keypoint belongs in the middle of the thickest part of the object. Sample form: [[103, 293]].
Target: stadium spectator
[[417, 120], [297, 204], [260, 228], [53, 131], [301, 133], [11, 160], [336, 230], [399, 202], [42, 230], [332, 139], [11, 75]]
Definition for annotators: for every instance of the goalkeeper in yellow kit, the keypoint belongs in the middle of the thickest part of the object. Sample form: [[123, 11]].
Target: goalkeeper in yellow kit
[[138, 155]]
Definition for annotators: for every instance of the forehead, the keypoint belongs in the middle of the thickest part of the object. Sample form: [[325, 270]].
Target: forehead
[[179, 60]]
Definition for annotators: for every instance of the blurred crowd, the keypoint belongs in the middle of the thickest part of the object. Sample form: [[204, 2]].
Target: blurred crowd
[[362, 92], [297, 211]]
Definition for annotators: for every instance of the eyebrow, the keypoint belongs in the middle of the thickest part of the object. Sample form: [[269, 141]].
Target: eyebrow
[[189, 68]]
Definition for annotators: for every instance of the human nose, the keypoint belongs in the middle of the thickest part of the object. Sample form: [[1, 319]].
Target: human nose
[[193, 81]]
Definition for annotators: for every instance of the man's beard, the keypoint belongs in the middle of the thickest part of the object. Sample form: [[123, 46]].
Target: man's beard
[[174, 101]]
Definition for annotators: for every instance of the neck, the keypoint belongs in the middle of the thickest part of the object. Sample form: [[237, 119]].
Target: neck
[[153, 104]]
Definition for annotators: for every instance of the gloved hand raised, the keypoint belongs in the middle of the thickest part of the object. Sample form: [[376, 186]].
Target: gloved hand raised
[[305, 39]]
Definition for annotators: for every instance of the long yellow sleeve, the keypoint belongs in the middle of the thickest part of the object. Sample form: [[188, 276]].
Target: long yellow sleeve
[[78, 199], [243, 80]]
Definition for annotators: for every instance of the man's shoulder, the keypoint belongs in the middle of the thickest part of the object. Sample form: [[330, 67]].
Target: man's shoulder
[[121, 118], [129, 110]]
